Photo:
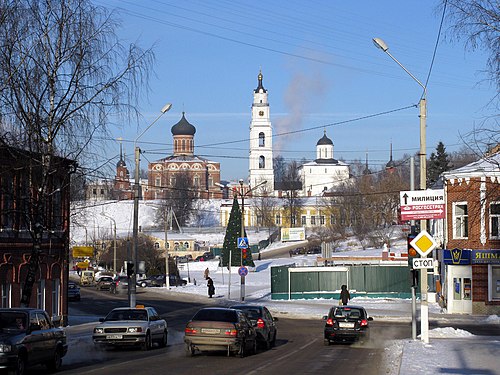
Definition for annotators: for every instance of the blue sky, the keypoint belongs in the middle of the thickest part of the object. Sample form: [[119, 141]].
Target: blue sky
[[321, 70]]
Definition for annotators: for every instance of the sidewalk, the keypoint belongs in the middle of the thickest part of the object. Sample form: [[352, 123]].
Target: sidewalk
[[467, 355]]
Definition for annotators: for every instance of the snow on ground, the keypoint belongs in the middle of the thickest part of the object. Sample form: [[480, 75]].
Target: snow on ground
[[448, 350]]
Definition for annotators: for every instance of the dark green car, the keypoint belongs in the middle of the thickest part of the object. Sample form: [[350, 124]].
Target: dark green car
[[29, 337]]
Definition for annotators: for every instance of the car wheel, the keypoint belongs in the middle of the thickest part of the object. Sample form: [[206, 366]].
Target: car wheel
[[147, 342], [143, 285], [326, 342], [56, 362], [164, 339], [254, 347], [273, 341], [20, 366], [189, 350], [242, 351]]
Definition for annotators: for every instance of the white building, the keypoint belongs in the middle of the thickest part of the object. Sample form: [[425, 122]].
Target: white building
[[324, 173], [261, 145]]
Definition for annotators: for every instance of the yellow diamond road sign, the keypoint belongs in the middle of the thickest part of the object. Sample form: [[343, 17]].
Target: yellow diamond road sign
[[423, 243]]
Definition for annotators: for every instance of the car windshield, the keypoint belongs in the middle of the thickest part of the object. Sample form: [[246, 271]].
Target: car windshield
[[217, 315], [127, 315], [348, 312], [251, 312], [13, 321]]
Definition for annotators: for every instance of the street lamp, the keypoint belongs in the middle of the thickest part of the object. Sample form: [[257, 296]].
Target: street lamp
[[242, 233], [424, 307], [114, 239], [137, 152]]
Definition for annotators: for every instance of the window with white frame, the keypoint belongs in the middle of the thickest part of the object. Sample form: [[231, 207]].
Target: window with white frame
[[303, 221], [313, 220], [460, 220], [40, 295], [494, 282], [56, 290], [6, 295], [495, 220]]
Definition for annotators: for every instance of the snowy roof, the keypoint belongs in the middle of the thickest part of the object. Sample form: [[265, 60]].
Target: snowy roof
[[489, 165]]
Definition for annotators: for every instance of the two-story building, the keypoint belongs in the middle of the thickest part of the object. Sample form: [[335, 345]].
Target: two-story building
[[472, 247], [34, 230]]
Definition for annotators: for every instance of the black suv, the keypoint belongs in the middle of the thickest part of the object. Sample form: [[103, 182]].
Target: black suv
[[263, 322], [347, 323], [28, 337]]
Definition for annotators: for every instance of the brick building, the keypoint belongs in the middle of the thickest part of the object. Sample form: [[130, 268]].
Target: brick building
[[34, 214], [472, 253]]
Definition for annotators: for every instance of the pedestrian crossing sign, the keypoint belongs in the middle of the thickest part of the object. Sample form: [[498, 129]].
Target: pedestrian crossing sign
[[242, 242]]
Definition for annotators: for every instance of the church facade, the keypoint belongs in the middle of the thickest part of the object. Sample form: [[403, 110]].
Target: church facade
[[203, 174]]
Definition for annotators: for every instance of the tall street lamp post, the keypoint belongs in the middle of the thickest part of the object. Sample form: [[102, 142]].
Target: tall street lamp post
[[242, 233], [424, 307], [114, 239], [137, 152]]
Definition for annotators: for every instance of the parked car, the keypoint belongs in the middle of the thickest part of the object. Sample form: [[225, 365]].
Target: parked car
[[346, 323], [28, 337], [105, 283], [159, 280], [263, 322], [220, 329], [73, 291], [126, 326]]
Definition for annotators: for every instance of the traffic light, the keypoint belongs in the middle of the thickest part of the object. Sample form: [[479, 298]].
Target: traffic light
[[130, 269], [412, 253], [244, 254]]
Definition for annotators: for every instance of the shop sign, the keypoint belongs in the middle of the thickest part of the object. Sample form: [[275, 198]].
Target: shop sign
[[485, 257]]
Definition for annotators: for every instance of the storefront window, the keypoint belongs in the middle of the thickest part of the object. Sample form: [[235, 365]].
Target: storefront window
[[494, 282], [457, 289]]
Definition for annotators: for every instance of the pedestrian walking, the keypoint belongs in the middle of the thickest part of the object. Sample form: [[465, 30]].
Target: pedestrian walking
[[344, 295], [211, 287], [205, 274]]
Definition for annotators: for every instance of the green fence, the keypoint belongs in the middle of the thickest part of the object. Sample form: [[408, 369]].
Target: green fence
[[290, 282]]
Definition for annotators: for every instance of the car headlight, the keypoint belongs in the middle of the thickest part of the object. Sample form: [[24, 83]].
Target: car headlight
[[134, 329], [98, 330], [4, 348]]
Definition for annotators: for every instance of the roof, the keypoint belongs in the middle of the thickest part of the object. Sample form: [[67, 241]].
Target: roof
[[183, 127], [489, 165], [324, 141]]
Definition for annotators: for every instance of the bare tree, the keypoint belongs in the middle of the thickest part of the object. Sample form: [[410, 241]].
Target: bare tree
[[477, 23], [292, 185], [63, 76], [265, 207], [181, 197]]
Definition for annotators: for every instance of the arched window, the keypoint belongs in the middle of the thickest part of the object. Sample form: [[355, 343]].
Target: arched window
[[183, 145], [262, 162], [175, 146], [262, 139]]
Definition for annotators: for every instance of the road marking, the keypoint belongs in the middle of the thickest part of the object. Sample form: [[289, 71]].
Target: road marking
[[258, 369]]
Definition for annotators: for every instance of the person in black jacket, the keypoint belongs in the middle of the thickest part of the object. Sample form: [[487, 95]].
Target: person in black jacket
[[211, 287], [344, 295]]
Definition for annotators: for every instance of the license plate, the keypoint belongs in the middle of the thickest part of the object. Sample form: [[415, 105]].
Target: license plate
[[211, 331], [346, 325], [114, 337]]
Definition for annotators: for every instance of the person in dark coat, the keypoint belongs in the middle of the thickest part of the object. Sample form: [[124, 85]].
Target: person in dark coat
[[344, 295], [211, 287]]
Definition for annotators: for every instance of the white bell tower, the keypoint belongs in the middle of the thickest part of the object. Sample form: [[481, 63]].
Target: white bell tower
[[261, 141]]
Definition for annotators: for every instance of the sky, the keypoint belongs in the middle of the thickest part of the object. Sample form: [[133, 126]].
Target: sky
[[320, 67]]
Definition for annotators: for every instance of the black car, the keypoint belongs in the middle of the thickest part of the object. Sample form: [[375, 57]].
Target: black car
[[105, 283], [28, 337], [159, 280], [263, 322], [73, 291], [346, 323]]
